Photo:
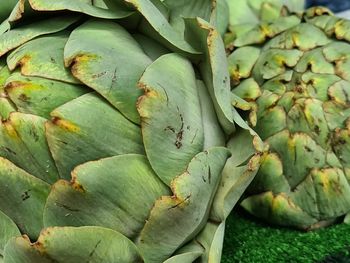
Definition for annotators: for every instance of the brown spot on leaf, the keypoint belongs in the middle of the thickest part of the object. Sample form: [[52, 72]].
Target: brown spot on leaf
[[67, 207], [8, 150], [308, 149], [25, 195], [66, 125], [91, 254], [209, 175], [114, 79], [98, 75], [180, 202], [169, 128], [317, 129], [76, 186], [33, 133], [23, 97]]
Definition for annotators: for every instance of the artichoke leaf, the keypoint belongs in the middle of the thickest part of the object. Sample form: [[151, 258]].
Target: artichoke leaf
[[213, 134], [265, 31], [18, 36], [42, 57], [6, 8], [39, 96], [4, 74], [298, 37], [299, 152], [324, 194], [120, 190], [100, 60], [274, 62], [220, 16], [238, 173], [73, 135], [81, 244], [21, 11], [270, 176], [4, 26], [174, 220], [6, 107], [186, 254], [156, 26], [316, 61], [20, 195], [8, 229], [340, 141], [152, 48], [23, 142], [115, 9], [278, 209], [212, 239], [241, 62], [242, 13], [189, 9], [170, 113], [213, 68], [347, 219], [206, 247]]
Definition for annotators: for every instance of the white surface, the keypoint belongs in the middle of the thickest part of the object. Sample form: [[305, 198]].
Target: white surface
[[344, 14]]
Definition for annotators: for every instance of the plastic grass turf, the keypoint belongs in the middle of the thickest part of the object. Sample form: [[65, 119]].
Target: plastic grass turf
[[250, 241]]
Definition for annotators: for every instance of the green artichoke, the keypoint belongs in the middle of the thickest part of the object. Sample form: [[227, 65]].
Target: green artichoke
[[293, 73], [113, 118]]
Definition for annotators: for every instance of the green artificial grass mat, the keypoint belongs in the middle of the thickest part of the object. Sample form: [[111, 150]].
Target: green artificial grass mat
[[247, 240]]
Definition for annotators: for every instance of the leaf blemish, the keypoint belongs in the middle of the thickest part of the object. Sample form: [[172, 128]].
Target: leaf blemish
[[169, 128], [209, 175], [93, 251], [9, 150], [25, 195], [34, 134], [194, 137], [181, 202], [114, 79], [23, 97], [179, 135], [67, 207], [98, 75], [166, 94]]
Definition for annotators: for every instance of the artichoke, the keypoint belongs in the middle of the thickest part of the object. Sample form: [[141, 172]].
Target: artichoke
[[113, 118], [293, 73]]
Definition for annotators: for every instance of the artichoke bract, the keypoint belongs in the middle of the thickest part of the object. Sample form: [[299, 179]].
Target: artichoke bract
[[293, 73], [113, 118], [244, 15]]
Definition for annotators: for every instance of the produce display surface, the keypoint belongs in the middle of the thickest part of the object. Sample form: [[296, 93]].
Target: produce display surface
[[248, 240]]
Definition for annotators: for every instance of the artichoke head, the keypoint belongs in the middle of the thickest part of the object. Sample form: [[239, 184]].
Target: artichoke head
[[294, 74], [114, 115]]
